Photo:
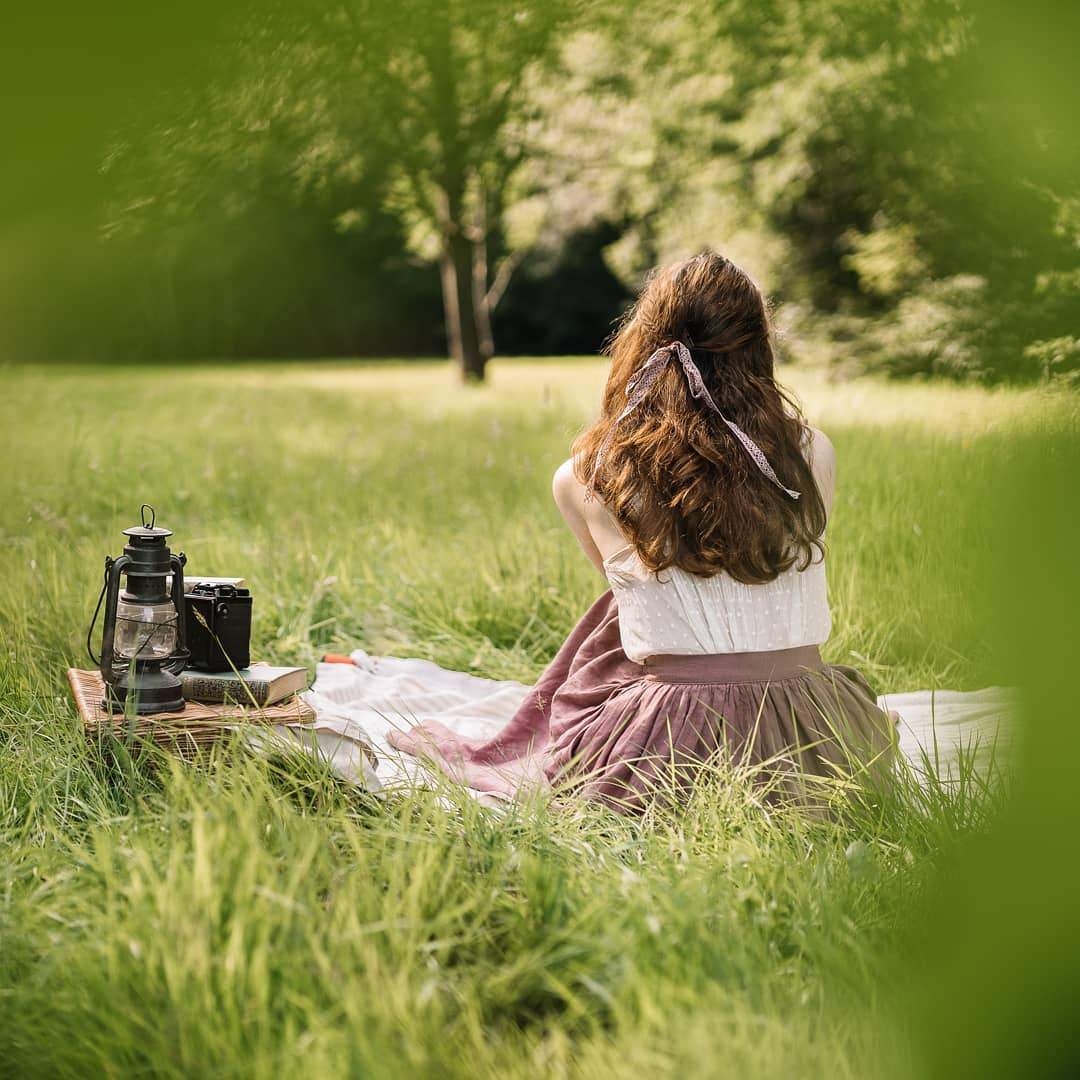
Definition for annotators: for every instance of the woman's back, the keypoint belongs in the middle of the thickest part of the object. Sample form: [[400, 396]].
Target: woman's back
[[675, 612]]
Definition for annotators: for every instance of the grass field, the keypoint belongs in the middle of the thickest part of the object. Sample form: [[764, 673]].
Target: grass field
[[258, 919]]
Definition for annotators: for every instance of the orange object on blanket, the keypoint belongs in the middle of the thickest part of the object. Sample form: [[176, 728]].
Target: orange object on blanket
[[336, 658]]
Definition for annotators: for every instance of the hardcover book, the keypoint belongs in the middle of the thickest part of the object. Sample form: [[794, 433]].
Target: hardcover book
[[259, 684]]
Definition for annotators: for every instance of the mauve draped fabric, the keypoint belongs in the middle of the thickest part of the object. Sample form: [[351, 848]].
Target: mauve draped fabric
[[619, 731]]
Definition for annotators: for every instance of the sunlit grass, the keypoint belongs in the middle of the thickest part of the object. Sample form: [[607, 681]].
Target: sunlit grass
[[259, 919], [575, 383]]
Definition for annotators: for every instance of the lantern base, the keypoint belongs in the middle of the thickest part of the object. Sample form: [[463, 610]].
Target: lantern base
[[147, 692]]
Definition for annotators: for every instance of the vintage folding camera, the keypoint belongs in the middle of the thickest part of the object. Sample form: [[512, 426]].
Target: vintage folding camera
[[218, 624]]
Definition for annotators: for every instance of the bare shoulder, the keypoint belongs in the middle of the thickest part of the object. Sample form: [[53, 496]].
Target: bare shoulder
[[822, 451], [568, 490], [586, 516], [822, 459]]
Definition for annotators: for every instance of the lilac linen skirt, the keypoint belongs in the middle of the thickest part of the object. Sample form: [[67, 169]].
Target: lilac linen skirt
[[626, 732]]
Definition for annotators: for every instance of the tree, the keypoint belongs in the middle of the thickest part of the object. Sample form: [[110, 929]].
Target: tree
[[427, 108], [442, 93], [860, 158]]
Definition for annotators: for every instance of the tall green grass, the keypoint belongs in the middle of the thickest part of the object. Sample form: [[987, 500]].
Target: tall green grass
[[259, 918]]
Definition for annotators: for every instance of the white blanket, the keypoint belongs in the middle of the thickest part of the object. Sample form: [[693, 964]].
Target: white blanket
[[360, 703]]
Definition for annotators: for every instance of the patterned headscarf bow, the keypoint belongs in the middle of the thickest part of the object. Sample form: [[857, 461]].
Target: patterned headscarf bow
[[642, 382]]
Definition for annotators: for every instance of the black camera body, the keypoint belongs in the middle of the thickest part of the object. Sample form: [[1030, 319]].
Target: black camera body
[[218, 624]]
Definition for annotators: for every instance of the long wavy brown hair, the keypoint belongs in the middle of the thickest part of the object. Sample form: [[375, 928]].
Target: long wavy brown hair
[[680, 486]]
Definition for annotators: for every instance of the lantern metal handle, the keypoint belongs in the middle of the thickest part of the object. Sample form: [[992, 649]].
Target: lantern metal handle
[[181, 656], [113, 569], [142, 515], [97, 610]]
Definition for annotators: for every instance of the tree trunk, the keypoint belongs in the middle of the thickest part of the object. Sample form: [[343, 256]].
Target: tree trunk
[[480, 283], [459, 303], [456, 261]]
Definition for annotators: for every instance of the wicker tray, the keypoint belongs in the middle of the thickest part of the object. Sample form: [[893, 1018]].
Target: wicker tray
[[188, 733]]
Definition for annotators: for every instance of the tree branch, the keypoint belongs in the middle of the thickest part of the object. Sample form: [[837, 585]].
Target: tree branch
[[507, 265]]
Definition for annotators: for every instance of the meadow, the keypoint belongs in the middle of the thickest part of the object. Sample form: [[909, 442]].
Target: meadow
[[258, 918]]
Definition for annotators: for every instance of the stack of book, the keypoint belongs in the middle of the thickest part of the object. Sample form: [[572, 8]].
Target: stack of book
[[257, 686], [217, 703], [192, 732]]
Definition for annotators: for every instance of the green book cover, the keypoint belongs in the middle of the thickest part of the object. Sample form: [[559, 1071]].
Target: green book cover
[[260, 684]]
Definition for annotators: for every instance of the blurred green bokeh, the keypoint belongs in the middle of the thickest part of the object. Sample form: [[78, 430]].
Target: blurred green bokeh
[[992, 967]]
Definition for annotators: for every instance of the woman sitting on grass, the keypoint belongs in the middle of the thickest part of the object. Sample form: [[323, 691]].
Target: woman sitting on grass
[[702, 496]]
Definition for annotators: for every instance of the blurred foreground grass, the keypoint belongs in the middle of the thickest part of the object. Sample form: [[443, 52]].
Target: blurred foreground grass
[[256, 919]]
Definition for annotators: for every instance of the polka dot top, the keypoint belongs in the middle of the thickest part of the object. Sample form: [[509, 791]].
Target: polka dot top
[[680, 613]]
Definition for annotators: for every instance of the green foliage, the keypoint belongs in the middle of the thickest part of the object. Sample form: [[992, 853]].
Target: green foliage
[[886, 259], [941, 327], [848, 155], [290, 187], [1056, 358]]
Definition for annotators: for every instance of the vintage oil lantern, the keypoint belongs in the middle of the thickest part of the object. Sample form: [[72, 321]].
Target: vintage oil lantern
[[142, 639]]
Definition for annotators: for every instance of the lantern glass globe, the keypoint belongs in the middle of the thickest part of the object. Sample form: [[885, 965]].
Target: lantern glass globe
[[144, 631]]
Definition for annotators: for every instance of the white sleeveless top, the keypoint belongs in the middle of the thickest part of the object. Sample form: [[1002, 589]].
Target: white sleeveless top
[[680, 613]]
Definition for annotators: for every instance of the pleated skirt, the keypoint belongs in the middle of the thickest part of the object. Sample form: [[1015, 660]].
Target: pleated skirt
[[625, 732]]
